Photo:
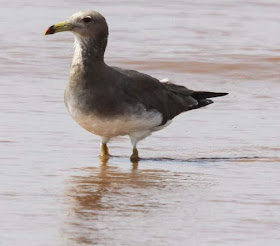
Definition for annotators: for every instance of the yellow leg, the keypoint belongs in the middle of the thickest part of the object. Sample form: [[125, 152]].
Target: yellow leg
[[134, 156], [104, 151]]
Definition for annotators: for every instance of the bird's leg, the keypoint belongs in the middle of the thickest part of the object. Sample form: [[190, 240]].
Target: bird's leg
[[134, 156], [134, 140], [104, 149]]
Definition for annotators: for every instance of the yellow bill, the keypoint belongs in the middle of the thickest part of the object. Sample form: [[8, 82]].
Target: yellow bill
[[59, 27]]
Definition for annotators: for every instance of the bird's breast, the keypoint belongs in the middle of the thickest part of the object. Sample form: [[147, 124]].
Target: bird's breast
[[111, 125]]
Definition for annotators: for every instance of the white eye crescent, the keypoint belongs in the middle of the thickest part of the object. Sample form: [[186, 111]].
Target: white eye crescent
[[87, 19]]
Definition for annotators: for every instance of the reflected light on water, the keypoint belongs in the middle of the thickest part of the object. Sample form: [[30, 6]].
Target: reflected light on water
[[119, 198]]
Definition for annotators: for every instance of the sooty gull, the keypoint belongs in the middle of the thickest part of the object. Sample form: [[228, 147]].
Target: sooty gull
[[111, 101]]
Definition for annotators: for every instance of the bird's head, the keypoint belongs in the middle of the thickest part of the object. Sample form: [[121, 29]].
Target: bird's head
[[84, 25]]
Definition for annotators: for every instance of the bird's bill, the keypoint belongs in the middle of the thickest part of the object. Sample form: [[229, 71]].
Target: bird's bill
[[59, 27]]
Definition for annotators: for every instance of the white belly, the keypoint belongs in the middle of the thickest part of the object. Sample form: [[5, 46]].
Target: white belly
[[142, 121]]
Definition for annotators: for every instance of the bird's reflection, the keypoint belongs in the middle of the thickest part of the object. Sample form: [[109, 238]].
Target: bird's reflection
[[98, 192]]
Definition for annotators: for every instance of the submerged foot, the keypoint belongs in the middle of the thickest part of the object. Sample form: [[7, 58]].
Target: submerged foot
[[134, 157], [104, 155]]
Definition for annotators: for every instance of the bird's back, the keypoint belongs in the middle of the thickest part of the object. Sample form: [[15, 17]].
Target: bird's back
[[167, 98]]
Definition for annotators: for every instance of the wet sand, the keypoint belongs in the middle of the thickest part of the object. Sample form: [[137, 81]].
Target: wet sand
[[210, 178]]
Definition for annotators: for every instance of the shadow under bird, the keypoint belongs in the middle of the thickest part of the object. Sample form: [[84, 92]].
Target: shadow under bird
[[111, 101]]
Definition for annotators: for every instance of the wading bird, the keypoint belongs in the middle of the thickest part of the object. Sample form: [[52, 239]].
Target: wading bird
[[111, 101]]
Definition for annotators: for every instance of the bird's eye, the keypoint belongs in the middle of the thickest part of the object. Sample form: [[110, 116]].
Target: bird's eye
[[87, 19]]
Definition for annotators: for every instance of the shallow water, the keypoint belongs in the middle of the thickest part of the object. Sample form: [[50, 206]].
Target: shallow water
[[210, 178]]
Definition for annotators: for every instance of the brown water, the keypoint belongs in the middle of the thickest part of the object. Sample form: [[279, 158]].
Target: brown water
[[211, 178]]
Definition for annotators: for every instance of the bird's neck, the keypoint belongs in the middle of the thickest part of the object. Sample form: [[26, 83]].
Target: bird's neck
[[89, 52], [88, 62]]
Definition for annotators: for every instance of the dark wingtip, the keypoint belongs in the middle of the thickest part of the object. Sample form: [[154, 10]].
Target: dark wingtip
[[50, 30], [220, 94], [224, 93], [216, 94], [207, 94]]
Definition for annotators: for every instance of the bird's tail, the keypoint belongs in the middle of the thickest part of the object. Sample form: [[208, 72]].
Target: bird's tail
[[202, 97]]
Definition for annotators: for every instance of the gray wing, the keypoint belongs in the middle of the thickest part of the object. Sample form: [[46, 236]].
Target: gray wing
[[167, 98]]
